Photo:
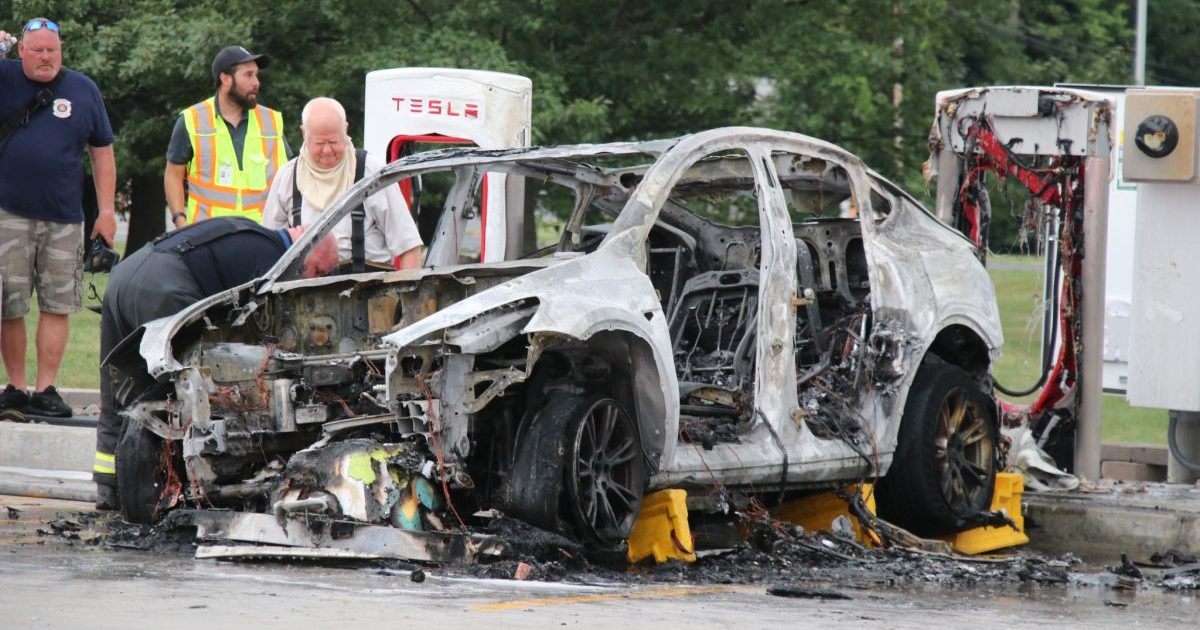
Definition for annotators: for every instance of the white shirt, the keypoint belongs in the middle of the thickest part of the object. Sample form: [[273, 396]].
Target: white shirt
[[388, 230]]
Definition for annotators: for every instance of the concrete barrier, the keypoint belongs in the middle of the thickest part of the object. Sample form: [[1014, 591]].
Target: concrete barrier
[[1109, 519], [47, 484], [43, 446]]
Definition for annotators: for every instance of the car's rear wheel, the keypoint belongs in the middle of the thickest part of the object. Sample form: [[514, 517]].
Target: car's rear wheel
[[142, 475], [944, 469]]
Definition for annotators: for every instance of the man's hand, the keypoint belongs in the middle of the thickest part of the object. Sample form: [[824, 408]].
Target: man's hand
[[106, 226], [6, 38], [173, 178]]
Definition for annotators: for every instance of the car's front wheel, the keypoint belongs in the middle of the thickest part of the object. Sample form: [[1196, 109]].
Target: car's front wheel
[[604, 473], [141, 475], [579, 468], [944, 469]]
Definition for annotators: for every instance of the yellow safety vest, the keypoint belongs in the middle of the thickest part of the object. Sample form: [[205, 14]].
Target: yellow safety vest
[[216, 186]]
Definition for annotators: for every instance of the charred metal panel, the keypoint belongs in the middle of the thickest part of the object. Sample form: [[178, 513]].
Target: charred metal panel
[[373, 541]]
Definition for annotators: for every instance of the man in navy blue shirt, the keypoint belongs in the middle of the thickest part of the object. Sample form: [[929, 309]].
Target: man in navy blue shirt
[[41, 205]]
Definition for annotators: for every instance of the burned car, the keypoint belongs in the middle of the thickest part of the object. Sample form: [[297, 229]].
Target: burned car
[[740, 312]]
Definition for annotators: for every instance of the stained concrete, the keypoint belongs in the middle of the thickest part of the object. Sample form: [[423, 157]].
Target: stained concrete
[[49, 447], [49, 484], [1103, 520]]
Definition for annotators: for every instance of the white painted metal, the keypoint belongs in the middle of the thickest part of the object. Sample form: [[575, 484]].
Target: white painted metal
[[1014, 115], [1165, 355], [492, 110]]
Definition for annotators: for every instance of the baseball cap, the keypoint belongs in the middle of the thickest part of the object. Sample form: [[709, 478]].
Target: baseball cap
[[231, 56]]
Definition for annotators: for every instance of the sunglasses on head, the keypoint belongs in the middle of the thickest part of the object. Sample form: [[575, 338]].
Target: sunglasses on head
[[39, 24]]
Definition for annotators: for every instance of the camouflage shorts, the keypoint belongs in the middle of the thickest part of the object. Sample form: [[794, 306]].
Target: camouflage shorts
[[41, 255]]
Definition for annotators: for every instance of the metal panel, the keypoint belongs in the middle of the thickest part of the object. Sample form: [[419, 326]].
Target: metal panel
[[1015, 115], [1180, 164], [360, 540], [1165, 354]]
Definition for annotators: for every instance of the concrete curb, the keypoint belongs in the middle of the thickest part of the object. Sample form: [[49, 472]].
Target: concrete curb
[[47, 484], [1138, 519], [47, 447], [80, 397]]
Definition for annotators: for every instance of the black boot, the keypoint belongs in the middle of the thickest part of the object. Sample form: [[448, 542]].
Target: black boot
[[106, 498]]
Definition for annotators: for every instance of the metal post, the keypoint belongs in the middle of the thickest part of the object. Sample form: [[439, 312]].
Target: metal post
[[1091, 359], [948, 170], [1139, 49]]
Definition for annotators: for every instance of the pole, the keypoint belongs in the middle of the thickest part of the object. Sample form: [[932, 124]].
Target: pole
[[1139, 50], [1091, 368]]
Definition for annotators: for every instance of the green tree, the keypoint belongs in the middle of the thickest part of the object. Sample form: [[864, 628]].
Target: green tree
[[860, 73], [1171, 44]]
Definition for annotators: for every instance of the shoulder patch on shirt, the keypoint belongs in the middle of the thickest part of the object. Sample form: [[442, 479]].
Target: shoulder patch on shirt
[[61, 108]]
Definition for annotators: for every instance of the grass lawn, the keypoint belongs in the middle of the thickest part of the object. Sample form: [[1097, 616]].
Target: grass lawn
[[1018, 290], [80, 366], [1019, 294]]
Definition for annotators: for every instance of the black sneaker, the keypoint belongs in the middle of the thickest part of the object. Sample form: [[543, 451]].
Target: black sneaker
[[106, 498], [13, 398], [48, 403]]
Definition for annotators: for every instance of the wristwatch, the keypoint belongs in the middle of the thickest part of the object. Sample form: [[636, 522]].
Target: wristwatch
[[176, 216]]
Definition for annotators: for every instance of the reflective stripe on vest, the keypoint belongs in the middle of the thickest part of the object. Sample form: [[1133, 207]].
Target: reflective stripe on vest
[[216, 185], [105, 464]]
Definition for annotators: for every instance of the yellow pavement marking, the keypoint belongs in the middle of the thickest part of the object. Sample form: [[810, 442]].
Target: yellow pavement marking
[[608, 597]]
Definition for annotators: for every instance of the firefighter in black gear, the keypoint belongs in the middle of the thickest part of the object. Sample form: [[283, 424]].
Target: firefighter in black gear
[[174, 272]]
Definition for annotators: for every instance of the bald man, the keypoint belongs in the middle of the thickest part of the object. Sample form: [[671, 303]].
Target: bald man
[[323, 171]]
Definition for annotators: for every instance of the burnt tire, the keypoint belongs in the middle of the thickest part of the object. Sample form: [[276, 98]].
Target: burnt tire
[[579, 470], [944, 470], [141, 474]]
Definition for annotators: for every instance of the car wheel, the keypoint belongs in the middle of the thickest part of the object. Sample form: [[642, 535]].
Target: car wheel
[[141, 476], [944, 470], [578, 469], [604, 471]]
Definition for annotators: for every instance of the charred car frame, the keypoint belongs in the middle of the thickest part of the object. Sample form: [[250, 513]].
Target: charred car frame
[[737, 312]]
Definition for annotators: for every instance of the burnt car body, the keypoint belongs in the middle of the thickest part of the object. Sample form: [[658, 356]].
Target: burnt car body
[[737, 312]]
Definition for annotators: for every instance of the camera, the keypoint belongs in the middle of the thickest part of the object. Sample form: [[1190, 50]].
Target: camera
[[100, 258]]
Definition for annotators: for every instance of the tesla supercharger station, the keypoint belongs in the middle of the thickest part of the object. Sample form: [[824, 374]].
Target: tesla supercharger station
[[1159, 142], [406, 108]]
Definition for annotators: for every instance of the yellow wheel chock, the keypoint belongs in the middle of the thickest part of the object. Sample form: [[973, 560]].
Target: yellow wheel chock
[[662, 530]]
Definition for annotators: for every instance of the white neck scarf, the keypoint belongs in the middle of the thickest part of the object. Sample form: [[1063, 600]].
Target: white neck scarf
[[319, 186]]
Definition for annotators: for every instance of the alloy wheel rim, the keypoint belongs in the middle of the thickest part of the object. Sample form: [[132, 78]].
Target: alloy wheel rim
[[606, 472], [963, 449]]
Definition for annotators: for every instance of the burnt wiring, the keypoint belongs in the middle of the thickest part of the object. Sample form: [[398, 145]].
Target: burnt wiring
[[172, 486], [839, 384], [1058, 185], [230, 396], [435, 437]]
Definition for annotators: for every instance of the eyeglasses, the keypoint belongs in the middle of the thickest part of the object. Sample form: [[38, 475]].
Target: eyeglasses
[[38, 24]]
